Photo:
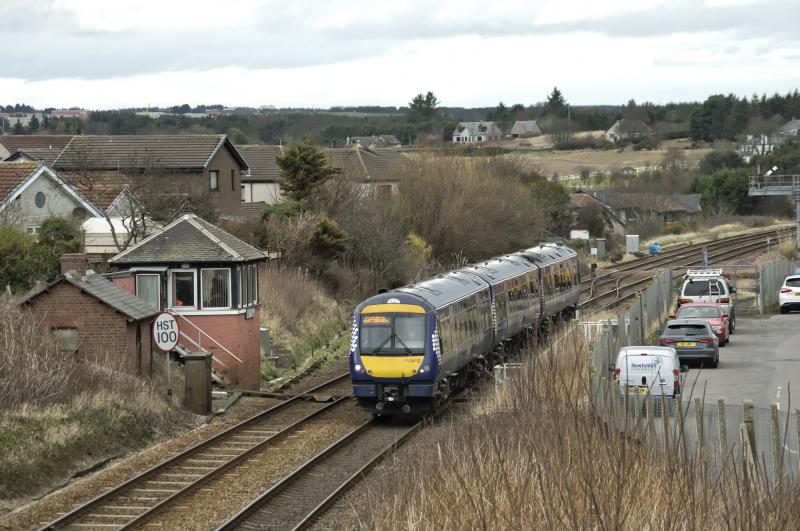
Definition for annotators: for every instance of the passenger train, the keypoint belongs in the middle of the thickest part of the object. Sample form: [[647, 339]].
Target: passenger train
[[413, 347]]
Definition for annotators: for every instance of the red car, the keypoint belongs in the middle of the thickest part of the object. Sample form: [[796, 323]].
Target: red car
[[710, 312]]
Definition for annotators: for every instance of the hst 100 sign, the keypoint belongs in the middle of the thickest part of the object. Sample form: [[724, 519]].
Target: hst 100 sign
[[165, 332]]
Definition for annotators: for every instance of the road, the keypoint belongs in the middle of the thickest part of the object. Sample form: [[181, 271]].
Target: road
[[761, 363]]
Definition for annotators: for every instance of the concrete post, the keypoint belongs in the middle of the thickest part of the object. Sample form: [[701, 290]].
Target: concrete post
[[698, 418], [749, 422], [723, 433], [777, 445]]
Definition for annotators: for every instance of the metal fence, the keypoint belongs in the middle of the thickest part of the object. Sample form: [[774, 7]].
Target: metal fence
[[764, 440], [770, 280]]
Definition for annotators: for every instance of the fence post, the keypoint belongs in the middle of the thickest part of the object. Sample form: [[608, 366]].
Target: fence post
[[723, 433], [698, 420], [625, 406], [797, 425], [641, 319], [777, 447], [651, 411], [747, 417], [748, 457], [760, 287], [665, 421]]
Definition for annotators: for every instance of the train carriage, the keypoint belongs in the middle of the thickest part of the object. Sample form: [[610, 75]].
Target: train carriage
[[412, 347]]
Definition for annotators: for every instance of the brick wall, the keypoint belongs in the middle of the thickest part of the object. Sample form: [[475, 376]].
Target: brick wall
[[77, 262], [239, 335], [104, 335]]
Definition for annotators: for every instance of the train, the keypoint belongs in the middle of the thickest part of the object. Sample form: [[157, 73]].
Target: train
[[413, 347]]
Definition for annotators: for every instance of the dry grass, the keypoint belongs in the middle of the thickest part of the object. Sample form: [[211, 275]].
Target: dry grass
[[58, 414], [533, 456], [788, 248], [299, 312]]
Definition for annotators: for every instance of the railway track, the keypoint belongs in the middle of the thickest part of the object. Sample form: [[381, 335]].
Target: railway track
[[302, 496], [136, 501], [609, 290]]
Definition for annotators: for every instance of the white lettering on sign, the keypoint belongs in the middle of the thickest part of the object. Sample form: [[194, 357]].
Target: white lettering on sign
[[165, 332]]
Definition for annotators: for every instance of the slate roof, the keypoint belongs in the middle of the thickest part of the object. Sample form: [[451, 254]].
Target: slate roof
[[14, 143], [628, 126], [525, 127], [478, 127], [189, 239], [261, 160], [12, 174], [689, 203], [374, 141], [101, 189], [112, 152], [104, 291], [46, 155], [792, 127], [366, 165]]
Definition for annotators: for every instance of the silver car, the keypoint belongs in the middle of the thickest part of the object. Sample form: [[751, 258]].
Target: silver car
[[693, 340]]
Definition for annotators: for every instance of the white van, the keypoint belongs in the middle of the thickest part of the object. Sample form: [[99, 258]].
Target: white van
[[649, 370], [710, 286]]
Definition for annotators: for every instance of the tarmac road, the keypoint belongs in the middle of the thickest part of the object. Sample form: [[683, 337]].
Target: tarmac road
[[761, 363]]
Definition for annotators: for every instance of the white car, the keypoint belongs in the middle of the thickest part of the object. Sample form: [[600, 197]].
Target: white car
[[789, 297], [709, 285]]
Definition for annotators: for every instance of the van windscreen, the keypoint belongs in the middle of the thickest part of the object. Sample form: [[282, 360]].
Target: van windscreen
[[700, 288]]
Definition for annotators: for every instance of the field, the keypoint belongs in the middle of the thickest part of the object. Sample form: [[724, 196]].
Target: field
[[572, 162]]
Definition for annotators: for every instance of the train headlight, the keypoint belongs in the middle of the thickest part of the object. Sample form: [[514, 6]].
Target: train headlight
[[357, 367], [424, 368]]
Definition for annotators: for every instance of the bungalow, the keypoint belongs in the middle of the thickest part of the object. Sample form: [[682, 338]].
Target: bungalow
[[204, 168], [261, 181], [791, 129], [628, 129], [759, 145], [525, 129], [209, 280], [471, 132], [30, 192], [374, 141], [35, 147], [670, 208], [377, 170]]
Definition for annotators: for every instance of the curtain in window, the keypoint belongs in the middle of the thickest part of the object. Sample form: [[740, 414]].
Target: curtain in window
[[215, 284], [148, 288]]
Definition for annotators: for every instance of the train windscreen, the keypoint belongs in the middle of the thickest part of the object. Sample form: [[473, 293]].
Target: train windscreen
[[392, 334]]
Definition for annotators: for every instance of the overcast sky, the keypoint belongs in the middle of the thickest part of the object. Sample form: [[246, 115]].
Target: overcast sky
[[102, 54]]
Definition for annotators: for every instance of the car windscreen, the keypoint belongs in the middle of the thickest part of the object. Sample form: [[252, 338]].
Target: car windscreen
[[700, 288], [392, 334], [686, 330], [793, 282], [698, 312]]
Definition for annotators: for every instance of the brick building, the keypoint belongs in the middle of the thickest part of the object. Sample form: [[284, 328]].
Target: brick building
[[208, 279], [94, 320]]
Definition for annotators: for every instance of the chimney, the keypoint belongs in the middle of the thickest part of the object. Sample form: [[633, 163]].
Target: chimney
[[75, 262]]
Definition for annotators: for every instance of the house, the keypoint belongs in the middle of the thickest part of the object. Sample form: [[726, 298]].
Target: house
[[70, 113], [580, 202], [373, 142], [471, 132], [377, 170], [525, 129], [23, 118], [204, 168], [37, 147], [31, 192], [260, 183], [791, 129], [94, 320], [670, 208], [759, 145], [209, 280], [628, 129]]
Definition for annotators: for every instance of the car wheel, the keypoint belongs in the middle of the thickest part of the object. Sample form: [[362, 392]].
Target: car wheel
[[733, 323], [784, 309], [715, 363]]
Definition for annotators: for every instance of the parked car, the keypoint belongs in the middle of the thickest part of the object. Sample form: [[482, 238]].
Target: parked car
[[709, 285], [693, 340], [789, 297], [712, 314], [649, 370]]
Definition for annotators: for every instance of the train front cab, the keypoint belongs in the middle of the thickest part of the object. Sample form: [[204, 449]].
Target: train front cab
[[393, 363]]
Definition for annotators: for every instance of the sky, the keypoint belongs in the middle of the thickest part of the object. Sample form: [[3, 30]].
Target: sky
[[104, 54]]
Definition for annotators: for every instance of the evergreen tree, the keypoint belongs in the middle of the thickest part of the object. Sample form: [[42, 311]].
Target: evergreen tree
[[33, 126], [556, 105], [303, 168], [422, 108]]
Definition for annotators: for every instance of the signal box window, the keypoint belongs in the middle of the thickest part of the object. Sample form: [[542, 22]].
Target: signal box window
[[213, 180], [183, 289]]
